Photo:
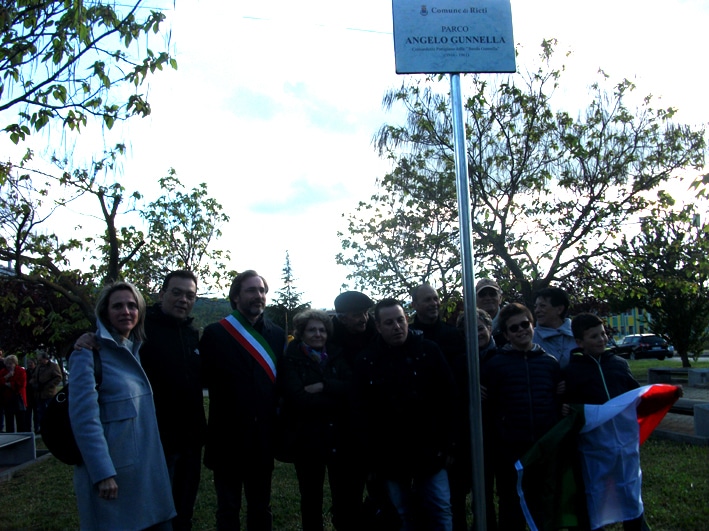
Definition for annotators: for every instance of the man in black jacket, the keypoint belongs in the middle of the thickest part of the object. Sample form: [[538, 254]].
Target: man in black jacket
[[406, 408], [352, 327], [170, 358], [239, 359], [424, 299]]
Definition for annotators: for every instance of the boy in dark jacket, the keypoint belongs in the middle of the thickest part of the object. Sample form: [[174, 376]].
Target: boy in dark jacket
[[595, 375]]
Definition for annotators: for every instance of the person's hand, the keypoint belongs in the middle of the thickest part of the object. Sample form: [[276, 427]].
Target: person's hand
[[86, 341], [565, 410], [483, 392], [108, 489], [315, 388], [561, 387]]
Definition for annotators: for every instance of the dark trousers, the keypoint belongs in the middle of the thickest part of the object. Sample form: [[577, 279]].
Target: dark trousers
[[41, 409], [31, 421], [256, 482], [14, 417], [459, 478], [510, 517], [346, 487], [184, 468]]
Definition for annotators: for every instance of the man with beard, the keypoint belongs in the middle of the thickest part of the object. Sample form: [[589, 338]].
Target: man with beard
[[239, 355]]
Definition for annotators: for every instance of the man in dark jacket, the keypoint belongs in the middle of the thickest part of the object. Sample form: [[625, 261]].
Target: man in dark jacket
[[352, 327], [353, 330], [405, 404], [424, 299], [170, 358], [239, 359]]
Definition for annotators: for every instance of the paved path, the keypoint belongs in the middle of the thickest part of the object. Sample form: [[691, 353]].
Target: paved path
[[681, 427]]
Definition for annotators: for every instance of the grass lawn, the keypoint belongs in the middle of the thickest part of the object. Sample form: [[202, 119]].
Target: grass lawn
[[675, 492], [675, 488], [639, 367]]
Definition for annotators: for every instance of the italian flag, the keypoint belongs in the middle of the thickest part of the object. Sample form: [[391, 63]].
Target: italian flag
[[586, 470]]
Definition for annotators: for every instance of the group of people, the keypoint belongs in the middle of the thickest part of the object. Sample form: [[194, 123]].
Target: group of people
[[25, 392], [369, 397]]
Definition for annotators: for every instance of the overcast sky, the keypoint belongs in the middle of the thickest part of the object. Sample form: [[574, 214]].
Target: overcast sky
[[275, 104]]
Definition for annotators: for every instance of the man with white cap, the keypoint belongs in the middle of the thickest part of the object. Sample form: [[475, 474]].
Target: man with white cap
[[489, 298]]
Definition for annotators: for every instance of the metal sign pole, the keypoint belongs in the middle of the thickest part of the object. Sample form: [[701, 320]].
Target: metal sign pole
[[471, 320], [460, 38]]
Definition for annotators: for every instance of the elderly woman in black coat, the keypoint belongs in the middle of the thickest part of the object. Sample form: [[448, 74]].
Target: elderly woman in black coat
[[315, 383]]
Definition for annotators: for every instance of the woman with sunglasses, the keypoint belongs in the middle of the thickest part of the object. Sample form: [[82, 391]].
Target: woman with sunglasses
[[522, 383]]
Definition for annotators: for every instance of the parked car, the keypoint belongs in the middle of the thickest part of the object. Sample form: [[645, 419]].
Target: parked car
[[621, 350], [647, 346]]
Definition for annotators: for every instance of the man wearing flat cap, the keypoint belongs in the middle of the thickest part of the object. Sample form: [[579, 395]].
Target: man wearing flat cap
[[353, 330], [352, 327]]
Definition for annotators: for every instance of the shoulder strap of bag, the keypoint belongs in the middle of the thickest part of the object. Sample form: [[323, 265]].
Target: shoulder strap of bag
[[98, 368]]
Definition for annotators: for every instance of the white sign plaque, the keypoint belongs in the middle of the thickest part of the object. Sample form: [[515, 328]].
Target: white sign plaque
[[453, 36]]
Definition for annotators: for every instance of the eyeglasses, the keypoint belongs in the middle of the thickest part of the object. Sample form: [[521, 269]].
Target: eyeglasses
[[179, 293], [523, 325]]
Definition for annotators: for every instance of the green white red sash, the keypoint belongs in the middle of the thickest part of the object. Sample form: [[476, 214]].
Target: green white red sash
[[254, 343]]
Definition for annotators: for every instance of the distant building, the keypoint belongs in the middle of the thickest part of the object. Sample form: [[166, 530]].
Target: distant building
[[633, 321]]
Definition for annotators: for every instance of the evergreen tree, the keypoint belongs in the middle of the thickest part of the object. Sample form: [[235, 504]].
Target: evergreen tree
[[289, 301]]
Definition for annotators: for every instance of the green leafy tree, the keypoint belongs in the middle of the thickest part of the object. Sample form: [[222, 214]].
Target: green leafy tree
[[289, 300], [43, 252], [117, 246], [182, 228], [65, 61], [549, 192], [33, 316], [35, 253], [210, 310], [664, 270]]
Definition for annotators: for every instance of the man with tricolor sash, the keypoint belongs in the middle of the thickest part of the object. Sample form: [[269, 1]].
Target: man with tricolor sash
[[239, 356]]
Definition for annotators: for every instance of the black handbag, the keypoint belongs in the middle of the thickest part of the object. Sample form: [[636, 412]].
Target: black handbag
[[57, 434]]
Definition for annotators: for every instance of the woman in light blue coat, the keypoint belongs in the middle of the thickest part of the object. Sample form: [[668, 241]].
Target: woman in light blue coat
[[122, 483]]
